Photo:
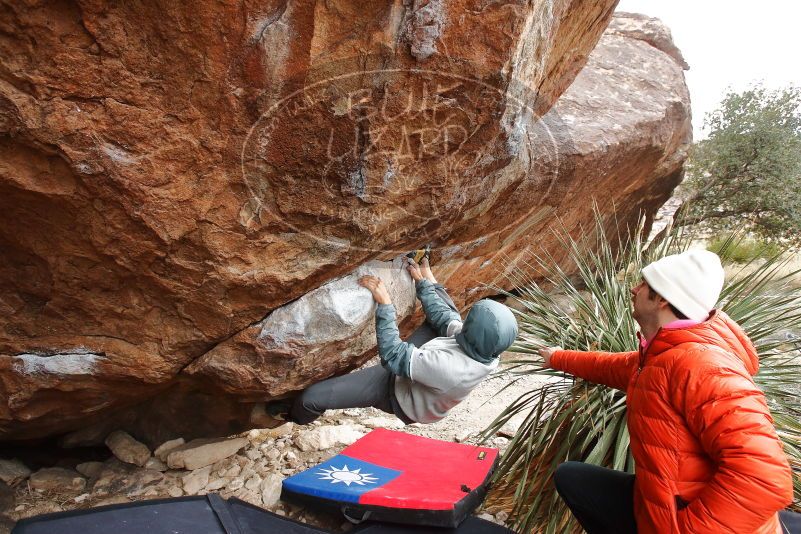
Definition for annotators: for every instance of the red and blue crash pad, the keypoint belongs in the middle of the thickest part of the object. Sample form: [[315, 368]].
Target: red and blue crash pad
[[394, 476]]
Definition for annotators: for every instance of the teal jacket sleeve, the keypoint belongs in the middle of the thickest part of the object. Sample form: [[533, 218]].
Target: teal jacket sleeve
[[438, 314], [396, 355]]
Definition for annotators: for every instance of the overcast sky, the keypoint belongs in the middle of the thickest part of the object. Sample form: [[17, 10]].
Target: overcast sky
[[730, 44]]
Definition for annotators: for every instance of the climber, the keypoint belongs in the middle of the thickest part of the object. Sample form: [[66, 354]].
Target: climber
[[417, 384], [707, 455]]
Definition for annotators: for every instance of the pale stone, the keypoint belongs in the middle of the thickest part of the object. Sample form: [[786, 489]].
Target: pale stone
[[90, 469], [175, 491], [196, 480], [464, 435], [155, 464], [383, 422], [510, 428], [80, 498], [253, 454], [127, 449], [253, 483], [325, 437], [141, 481], [13, 471], [272, 454], [203, 452], [117, 499], [216, 485], [235, 484], [247, 472], [248, 496], [271, 489], [279, 431], [57, 479], [233, 471], [163, 450]]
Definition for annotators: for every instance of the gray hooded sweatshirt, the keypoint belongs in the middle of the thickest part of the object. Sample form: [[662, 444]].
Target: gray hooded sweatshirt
[[434, 378]]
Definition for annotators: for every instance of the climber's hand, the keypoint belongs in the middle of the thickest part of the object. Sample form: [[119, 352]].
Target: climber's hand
[[414, 270], [377, 288]]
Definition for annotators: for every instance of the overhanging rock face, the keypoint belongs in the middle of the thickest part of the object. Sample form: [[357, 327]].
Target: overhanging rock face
[[175, 179]]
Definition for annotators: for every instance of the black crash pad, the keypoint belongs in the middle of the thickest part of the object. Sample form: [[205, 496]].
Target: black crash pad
[[209, 514]]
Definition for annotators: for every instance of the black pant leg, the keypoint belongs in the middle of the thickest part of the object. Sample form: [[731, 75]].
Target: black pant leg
[[601, 499]]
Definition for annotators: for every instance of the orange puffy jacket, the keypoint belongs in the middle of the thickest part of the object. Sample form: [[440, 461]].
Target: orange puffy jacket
[[707, 455]]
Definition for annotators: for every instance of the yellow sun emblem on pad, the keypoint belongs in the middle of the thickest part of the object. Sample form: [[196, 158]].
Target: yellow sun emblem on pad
[[346, 476]]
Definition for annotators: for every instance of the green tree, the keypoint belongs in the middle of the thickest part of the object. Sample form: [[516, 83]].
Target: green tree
[[747, 174]]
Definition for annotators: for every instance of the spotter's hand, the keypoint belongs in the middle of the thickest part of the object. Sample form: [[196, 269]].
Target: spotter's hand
[[377, 288], [547, 353]]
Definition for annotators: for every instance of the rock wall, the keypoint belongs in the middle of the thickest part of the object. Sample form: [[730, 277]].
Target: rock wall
[[188, 190]]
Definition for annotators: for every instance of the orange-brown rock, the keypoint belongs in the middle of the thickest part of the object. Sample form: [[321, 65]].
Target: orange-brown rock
[[170, 174], [617, 138]]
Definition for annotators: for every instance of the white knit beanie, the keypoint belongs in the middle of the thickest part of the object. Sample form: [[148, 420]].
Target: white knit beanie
[[690, 281]]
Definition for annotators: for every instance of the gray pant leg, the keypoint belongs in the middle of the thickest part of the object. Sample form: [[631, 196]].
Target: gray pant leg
[[360, 389]]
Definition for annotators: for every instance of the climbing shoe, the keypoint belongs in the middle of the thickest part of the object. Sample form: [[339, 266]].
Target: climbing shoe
[[418, 255], [271, 415]]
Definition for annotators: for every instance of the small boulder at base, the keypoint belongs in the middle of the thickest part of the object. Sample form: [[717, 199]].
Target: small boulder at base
[[127, 449], [202, 452], [271, 489], [327, 436], [90, 469], [163, 450], [13, 471], [57, 479]]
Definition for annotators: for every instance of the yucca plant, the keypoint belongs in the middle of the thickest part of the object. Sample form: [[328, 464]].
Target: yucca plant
[[570, 419]]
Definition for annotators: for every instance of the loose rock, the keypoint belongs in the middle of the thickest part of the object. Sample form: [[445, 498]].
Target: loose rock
[[383, 422], [13, 471], [253, 483], [325, 437], [156, 465], [271, 489], [90, 469], [216, 485], [57, 479], [163, 450], [279, 431], [202, 452], [127, 449], [196, 480]]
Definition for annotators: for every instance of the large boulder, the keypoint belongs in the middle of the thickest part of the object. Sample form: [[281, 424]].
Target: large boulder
[[176, 179]]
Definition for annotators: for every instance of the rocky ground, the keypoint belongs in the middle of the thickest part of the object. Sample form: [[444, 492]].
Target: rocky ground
[[249, 466]]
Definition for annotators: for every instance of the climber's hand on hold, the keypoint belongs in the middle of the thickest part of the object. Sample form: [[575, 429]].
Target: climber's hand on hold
[[377, 288], [414, 270]]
